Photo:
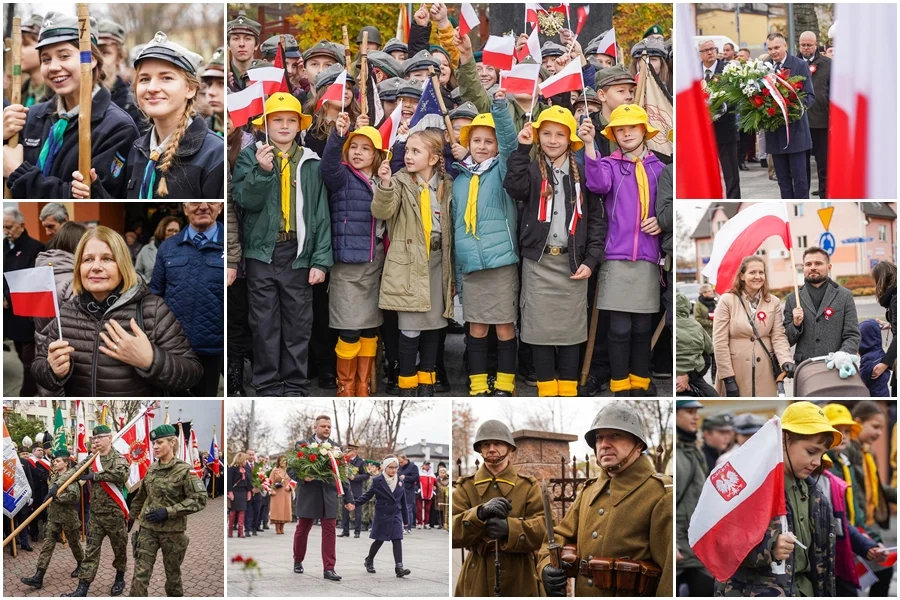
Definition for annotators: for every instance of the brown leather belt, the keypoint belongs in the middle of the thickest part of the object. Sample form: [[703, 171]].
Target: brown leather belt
[[556, 250], [622, 574], [285, 236]]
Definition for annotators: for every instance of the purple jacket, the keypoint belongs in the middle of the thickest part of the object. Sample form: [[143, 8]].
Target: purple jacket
[[613, 177]]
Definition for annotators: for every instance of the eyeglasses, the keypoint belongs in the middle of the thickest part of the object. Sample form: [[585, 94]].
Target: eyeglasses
[[706, 50]]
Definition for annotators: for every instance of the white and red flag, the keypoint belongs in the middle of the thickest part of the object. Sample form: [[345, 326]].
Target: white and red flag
[[388, 129], [32, 292], [582, 12], [81, 449], [468, 19], [246, 104], [498, 52], [862, 145], [272, 78], [134, 445], [521, 79], [741, 236], [335, 91], [531, 48], [195, 455], [607, 43], [531, 13], [738, 501], [569, 79]]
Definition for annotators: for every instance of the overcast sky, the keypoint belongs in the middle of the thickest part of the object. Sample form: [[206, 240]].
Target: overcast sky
[[204, 414]]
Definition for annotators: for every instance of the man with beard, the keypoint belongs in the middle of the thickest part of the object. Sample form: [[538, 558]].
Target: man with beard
[[820, 68], [497, 505], [825, 321]]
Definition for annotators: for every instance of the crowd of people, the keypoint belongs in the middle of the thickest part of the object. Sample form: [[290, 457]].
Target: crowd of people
[[837, 502], [157, 116], [124, 332], [748, 340], [511, 203]]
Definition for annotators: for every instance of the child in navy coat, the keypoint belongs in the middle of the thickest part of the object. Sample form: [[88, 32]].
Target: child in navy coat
[[871, 353]]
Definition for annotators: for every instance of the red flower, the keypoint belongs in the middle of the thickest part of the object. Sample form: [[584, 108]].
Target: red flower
[[771, 111], [757, 101], [303, 445], [301, 456], [313, 457], [798, 85], [237, 559], [765, 92]]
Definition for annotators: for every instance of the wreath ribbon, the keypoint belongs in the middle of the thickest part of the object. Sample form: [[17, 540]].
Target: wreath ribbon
[[770, 81]]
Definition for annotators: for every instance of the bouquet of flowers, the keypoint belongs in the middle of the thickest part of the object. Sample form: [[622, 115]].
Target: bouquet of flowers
[[762, 98], [314, 460]]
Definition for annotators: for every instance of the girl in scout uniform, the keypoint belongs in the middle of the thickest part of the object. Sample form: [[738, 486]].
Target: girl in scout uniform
[[41, 165], [628, 284], [561, 235], [416, 281], [325, 113], [286, 246], [179, 157], [484, 246], [348, 169]]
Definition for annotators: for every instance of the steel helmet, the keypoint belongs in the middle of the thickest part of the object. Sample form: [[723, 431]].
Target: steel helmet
[[617, 416], [493, 430]]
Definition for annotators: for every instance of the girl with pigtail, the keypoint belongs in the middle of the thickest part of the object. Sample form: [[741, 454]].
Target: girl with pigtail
[[325, 113], [562, 229], [417, 277], [179, 157]]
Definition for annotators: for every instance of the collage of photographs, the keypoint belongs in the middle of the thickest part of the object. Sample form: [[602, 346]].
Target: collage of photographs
[[262, 258]]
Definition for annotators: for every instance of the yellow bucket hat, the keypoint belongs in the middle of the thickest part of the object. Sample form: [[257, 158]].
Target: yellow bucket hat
[[806, 418], [838, 414], [482, 120], [368, 131], [628, 114], [284, 102], [562, 116]]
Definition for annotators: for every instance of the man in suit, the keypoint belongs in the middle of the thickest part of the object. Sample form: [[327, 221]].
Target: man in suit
[[820, 69], [725, 127], [317, 499], [825, 321], [790, 158], [409, 475], [356, 488]]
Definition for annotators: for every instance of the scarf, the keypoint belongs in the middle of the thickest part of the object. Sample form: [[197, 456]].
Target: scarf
[[52, 145], [391, 481], [471, 215], [643, 184], [148, 182], [285, 189], [425, 210], [100, 308], [870, 471], [709, 303]]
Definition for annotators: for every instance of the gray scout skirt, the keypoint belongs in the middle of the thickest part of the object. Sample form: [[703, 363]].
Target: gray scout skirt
[[353, 294], [554, 307], [626, 286], [490, 296], [434, 318]]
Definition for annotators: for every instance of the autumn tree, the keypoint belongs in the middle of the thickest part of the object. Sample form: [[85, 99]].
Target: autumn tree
[[463, 432], [313, 22], [632, 20], [656, 416]]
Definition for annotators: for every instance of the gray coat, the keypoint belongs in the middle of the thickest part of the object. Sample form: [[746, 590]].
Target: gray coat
[[316, 499], [818, 335], [146, 260]]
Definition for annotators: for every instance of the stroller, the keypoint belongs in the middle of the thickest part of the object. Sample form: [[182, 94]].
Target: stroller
[[812, 379]]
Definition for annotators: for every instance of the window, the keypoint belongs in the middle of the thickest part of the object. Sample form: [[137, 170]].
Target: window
[[720, 224], [761, 252], [62, 404], [825, 204], [91, 424], [43, 403], [801, 241], [798, 210], [882, 233]]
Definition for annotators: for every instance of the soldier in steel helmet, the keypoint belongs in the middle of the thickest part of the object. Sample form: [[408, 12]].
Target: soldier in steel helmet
[[620, 522], [497, 505]]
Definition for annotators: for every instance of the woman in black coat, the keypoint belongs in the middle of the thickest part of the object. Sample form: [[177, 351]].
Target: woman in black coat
[[238, 493], [391, 514], [885, 276]]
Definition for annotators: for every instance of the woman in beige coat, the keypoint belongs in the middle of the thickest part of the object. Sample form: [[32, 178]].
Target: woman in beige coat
[[744, 366], [280, 508]]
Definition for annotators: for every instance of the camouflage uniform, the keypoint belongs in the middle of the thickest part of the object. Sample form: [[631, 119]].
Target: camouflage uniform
[[62, 515], [107, 519], [174, 487]]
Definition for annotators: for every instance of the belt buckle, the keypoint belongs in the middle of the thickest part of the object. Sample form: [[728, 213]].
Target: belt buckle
[[555, 251]]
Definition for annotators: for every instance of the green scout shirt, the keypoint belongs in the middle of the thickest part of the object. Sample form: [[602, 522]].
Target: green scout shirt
[[798, 498]]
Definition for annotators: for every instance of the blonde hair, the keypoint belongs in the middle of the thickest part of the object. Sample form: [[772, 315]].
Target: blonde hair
[[239, 459], [168, 156], [321, 127], [120, 253], [434, 141]]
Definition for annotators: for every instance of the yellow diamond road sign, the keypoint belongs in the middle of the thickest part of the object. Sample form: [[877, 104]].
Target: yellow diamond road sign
[[825, 215]]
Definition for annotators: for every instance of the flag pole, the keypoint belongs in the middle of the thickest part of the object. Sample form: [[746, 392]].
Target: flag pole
[[265, 123], [793, 258]]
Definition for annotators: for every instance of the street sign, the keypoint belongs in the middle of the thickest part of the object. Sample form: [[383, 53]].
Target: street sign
[[825, 215], [827, 243], [857, 240]]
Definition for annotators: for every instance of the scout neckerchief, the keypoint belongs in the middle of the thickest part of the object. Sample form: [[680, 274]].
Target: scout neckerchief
[[471, 214], [53, 143], [425, 210], [148, 181], [114, 492], [285, 169], [851, 506], [870, 472], [643, 184]]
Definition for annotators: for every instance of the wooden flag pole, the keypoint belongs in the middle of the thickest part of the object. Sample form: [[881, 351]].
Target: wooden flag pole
[[87, 86], [363, 74], [437, 92], [15, 94], [346, 41]]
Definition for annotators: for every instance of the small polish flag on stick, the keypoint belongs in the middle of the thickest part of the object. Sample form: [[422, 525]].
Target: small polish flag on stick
[[498, 52], [272, 79], [246, 104], [388, 129], [567, 80], [468, 19], [531, 13], [531, 48], [335, 91], [32, 293], [521, 79], [607, 43], [583, 12]]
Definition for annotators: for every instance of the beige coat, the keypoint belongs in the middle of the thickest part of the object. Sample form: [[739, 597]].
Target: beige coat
[[280, 508], [738, 351], [404, 282]]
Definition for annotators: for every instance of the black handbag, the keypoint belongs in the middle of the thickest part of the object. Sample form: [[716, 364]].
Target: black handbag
[[776, 368]]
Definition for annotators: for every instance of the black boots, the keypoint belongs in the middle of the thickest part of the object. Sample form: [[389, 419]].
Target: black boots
[[344, 533], [400, 571], [235, 376], [119, 584], [75, 572], [369, 563], [37, 580], [298, 568], [81, 591]]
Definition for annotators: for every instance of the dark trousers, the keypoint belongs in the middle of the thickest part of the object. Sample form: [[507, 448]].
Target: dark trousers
[[254, 507], [697, 582], [411, 509], [264, 512], [790, 169], [213, 367], [240, 338], [728, 158], [699, 387], [423, 511], [747, 146], [25, 350], [280, 302], [820, 152], [324, 339], [329, 538], [357, 518], [882, 587]]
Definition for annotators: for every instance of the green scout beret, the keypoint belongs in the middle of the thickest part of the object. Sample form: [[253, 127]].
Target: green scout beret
[[162, 431], [102, 430]]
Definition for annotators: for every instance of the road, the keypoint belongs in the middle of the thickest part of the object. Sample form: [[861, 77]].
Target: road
[[756, 185]]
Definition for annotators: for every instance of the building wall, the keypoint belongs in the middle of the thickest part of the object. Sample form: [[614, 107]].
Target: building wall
[[754, 27], [42, 410]]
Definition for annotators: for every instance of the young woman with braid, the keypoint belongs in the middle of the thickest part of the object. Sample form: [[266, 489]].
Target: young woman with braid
[[562, 229], [417, 277], [179, 157]]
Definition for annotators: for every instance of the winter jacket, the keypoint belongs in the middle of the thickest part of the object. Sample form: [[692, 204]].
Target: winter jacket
[[665, 216], [818, 335], [189, 279], [871, 353], [175, 367], [146, 260], [112, 134], [391, 509], [702, 314], [692, 341], [889, 302], [22, 255], [234, 230], [398, 156], [405, 279], [195, 173], [353, 228], [523, 183], [690, 477], [495, 224], [258, 192], [849, 540], [614, 178]]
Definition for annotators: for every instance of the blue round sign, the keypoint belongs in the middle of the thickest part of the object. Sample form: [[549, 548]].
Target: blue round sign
[[827, 243]]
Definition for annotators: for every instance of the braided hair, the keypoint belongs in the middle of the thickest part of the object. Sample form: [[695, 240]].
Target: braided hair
[[434, 141]]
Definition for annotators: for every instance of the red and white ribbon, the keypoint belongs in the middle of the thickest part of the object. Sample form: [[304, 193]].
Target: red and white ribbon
[[545, 204], [761, 317], [337, 474], [770, 81], [576, 214]]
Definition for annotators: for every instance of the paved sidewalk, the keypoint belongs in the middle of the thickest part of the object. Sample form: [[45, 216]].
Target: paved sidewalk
[[756, 185], [424, 553]]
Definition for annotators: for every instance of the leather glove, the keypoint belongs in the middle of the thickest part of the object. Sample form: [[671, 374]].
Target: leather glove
[[554, 580], [87, 476], [731, 388], [51, 492], [497, 529], [158, 515], [130, 524], [788, 369], [495, 507]]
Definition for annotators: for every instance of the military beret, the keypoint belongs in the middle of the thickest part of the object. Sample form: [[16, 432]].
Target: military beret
[[720, 421], [110, 31], [163, 431], [552, 49], [654, 30], [466, 110], [269, 48], [58, 27], [244, 24], [162, 48], [614, 75], [326, 48], [422, 60], [101, 430], [388, 88], [387, 63], [395, 45], [33, 24], [62, 454], [477, 56], [329, 75], [411, 88]]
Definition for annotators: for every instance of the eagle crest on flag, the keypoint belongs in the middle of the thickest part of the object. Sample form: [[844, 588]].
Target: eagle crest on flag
[[727, 481], [137, 454]]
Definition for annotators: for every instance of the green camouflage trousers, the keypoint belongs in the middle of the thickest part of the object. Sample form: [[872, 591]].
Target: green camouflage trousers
[[101, 526], [173, 545], [73, 537]]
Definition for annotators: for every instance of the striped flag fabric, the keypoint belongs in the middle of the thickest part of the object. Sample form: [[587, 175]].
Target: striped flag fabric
[[498, 52], [32, 292], [246, 104], [16, 491], [114, 491], [272, 78], [521, 79], [213, 458], [468, 19], [569, 79], [335, 91], [388, 129]]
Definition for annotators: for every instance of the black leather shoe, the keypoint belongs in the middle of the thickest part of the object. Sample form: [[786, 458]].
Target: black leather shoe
[[119, 584], [400, 571], [328, 382], [298, 568], [332, 576], [344, 533], [743, 166], [356, 535], [27, 548], [370, 565], [254, 533], [454, 327]]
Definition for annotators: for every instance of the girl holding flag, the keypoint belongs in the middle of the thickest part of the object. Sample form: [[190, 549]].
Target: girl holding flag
[[334, 95]]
